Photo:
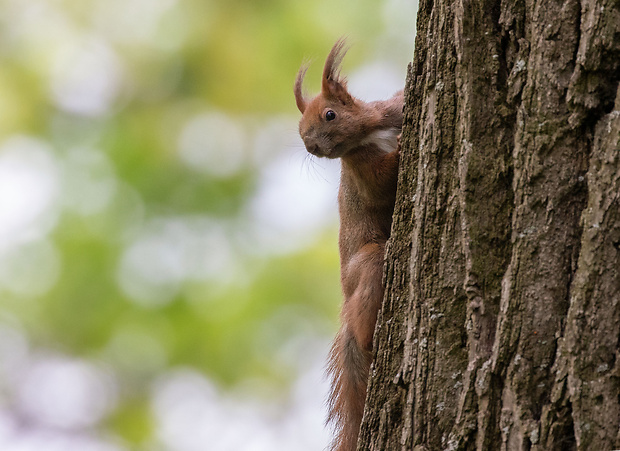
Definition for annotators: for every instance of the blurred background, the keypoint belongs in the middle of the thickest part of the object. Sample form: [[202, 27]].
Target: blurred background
[[168, 250]]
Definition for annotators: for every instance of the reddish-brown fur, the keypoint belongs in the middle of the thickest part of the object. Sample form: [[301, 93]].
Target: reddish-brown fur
[[364, 136]]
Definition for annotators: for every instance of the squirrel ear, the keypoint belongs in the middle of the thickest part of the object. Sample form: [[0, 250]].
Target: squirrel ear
[[333, 85], [299, 96]]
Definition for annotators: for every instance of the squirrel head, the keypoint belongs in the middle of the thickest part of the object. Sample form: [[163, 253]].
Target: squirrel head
[[334, 121]]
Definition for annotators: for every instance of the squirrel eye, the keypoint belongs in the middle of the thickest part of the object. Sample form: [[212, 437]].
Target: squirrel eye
[[330, 115]]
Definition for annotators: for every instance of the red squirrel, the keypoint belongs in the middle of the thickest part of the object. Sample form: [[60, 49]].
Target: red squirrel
[[365, 136]]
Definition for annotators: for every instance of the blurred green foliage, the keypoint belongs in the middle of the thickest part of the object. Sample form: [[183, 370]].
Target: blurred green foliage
[[150, 69]]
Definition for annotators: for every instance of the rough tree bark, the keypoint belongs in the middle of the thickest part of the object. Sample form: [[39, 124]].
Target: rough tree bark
[[500, 326]]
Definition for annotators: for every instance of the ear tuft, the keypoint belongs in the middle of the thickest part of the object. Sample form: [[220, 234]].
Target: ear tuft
[[331, 71], [299, 96], [333, 85]]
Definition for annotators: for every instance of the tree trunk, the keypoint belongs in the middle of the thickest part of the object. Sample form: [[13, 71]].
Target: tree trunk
[[500, 325]]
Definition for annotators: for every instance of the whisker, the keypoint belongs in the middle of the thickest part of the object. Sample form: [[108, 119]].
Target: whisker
[[311, 170], [303, 168], [317, 173], [309, 167]]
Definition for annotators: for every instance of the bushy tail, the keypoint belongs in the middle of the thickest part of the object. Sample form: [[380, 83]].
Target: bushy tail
[[348, 367]]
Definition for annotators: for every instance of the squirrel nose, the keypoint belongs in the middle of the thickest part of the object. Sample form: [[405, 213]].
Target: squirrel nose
[[314, 149]]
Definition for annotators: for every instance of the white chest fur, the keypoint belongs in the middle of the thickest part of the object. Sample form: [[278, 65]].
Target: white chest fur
[[385, 139]]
